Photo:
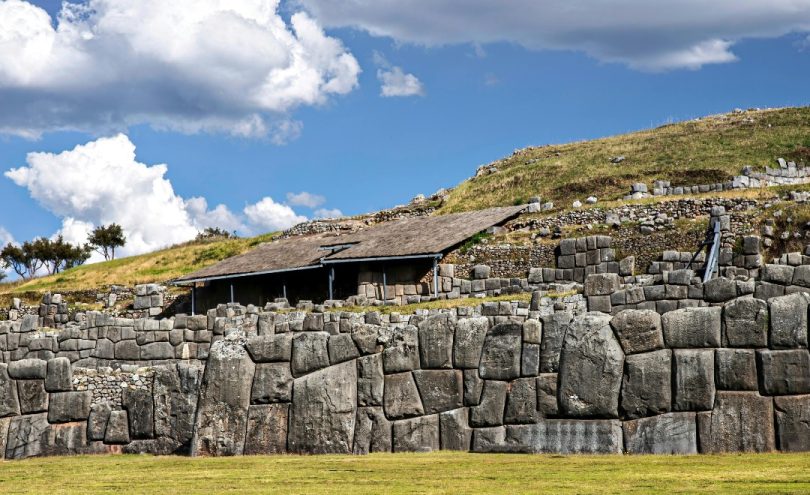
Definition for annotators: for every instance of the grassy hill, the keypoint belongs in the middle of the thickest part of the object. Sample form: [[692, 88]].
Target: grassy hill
[[706, 150], [162, 265]]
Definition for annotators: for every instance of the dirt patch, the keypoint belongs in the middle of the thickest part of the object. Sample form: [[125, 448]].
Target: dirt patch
[[800, 155]]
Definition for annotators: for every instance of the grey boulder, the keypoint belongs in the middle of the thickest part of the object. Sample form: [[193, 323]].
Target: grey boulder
[[591, 367]]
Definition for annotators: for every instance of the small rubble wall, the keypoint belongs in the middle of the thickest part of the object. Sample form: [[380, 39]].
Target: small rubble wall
[[538, 377], [788, 173]]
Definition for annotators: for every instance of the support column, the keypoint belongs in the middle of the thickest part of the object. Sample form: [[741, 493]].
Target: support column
[[436, 277], [385, 283], [331, 281], [232, 298], [193, 299]]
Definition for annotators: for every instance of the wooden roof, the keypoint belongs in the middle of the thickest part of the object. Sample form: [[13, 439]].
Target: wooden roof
[[407, 237]]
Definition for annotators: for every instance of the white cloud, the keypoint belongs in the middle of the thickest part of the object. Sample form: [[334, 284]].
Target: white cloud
[[220, 217], [328, 213], [101, 182], [649, 35], [395, 82], [269, 215], [189, 65], [305, 199]]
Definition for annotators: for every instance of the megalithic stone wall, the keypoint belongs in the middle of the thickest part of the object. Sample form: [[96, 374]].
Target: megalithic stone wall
[[543, 377]]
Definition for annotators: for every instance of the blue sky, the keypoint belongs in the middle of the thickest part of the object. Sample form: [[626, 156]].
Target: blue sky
[[476, 101]]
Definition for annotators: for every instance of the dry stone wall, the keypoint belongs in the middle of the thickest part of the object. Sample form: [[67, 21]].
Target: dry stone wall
[[726, 375]]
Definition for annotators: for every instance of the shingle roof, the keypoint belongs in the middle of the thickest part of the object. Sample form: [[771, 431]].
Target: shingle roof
[[406, 237]]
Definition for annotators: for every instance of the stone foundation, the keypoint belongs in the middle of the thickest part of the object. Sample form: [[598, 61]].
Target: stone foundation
[[539, 377]]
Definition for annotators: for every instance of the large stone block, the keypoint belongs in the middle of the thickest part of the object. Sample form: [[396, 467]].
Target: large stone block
[[272, 382], [66, 407], [9, 402], [4, 424], [736, 369], [555, 326], [638, 330], [793, 423], [530, 360], [532, 332], [672, 433], [720, 289], [784, 372], [370, 380], [27, 436], [59, 376], [778, 274], [222, 409], [140, 405], [417, 434], [117, 431], [469, 341], [28, 369], [500, 358], [436, 341], [739, 422], [97, 421], [152, 446], [309, 352], [693, 387], [746, 323], [401, 352], [692, 327], [521, 402], [341, 348], [490, 410], [32, 395], [440, 390], [157, 351], [175, 402], [372, 431], [323, 411], [789, 321], [270, 348], [591, 366], [553, 436], [401, 397], [601, 284], [473, 384], [647, 384], [127, 350], [32, 436], [547, 404], [267, 429], [454, 430]]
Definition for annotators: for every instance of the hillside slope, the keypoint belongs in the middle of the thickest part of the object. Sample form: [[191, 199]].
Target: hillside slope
[[707, 150], [158, 266]]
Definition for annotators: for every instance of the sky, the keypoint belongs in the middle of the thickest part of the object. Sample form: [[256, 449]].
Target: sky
[[254, 115]]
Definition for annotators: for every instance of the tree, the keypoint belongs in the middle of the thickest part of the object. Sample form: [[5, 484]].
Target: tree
[[54, 255], [57, 255], [105, 238], [21, 259]]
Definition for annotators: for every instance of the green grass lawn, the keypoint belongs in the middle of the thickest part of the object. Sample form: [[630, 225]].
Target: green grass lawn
[[410, 473]]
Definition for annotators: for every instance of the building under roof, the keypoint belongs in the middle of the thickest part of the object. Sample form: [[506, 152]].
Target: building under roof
[[329, 266]]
